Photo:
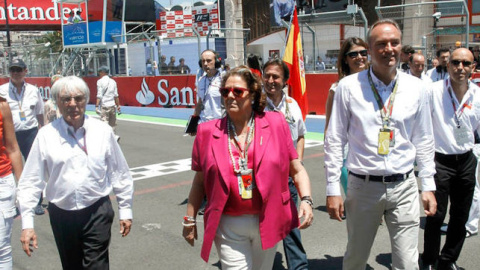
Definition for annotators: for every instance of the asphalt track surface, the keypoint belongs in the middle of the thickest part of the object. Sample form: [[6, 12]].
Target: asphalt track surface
[[155, 241]]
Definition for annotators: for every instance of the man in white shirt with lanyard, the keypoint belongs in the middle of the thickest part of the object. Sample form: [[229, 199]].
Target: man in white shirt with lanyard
[[440, 72], [209, 100], [384, 116], [78, 161], [27, 108], [275, 76], [455, 116], [107, 98]]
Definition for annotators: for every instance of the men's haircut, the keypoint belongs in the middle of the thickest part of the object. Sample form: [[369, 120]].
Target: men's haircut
[[278, 62], [254, 86], [70, 84], [383, 21], [104, 69], [181, 60], [442, 50], [410, 59], [407, 49], [343, 68]]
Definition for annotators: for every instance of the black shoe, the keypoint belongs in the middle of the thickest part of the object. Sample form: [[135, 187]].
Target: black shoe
[[428, 267], [39, 210], [442, 265]]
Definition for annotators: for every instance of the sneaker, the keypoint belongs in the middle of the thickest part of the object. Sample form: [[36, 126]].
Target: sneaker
[[39, 210], [470, 234]]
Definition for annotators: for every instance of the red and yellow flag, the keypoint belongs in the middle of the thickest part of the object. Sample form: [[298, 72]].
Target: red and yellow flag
[[293, 57]]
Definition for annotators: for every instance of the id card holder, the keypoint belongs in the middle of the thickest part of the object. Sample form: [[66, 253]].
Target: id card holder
[[22, 116], [247, 186], [384, 141], [461, 135]]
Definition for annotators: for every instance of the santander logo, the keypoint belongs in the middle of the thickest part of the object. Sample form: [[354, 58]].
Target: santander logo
[[145, 96]]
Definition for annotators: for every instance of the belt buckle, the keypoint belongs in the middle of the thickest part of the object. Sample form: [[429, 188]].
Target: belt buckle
[[388, 181]]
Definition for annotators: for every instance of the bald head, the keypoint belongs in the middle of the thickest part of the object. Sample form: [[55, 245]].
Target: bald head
[[417, 64], [460, 65]]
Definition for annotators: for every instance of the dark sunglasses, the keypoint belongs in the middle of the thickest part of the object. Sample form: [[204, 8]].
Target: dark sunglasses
[[78, 99], [354, 54], [237, 91], [457, 62], [15, 69]]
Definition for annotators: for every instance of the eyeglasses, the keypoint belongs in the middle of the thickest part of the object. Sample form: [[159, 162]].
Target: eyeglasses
[[354, 54], [457, 62], [15, 69], [78, 99], [237, 91]]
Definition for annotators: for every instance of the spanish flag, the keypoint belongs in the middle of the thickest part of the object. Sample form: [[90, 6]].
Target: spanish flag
[[293, 57]]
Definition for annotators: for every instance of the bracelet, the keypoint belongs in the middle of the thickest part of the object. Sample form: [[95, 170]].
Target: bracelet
[[308, 200], [188, 224], [189, 219]]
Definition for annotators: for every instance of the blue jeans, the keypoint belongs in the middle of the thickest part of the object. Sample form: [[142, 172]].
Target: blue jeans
[[292, 244]]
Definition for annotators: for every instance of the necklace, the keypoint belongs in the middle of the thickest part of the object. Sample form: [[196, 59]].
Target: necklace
[[243, 158]]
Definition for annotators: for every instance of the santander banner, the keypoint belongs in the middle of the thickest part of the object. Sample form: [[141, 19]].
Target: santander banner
[[175, 91], [34, 12]]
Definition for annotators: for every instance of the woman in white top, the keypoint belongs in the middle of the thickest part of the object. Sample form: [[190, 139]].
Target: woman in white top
[[352, 58]]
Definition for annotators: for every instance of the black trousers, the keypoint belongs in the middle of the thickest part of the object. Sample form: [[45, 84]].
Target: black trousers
[[455, 178], [83, 236]]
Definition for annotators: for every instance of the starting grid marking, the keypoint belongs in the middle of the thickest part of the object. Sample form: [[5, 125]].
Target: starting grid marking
[[178, 166]]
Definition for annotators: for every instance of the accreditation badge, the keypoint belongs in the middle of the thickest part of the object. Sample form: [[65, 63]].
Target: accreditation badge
[[246, 186], [384, 141], [22, 116], [461, 134]]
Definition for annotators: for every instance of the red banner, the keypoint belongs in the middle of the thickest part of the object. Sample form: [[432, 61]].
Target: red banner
[[34, 12], [178, 91]]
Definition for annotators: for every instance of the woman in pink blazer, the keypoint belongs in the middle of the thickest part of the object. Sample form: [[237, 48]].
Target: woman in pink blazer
[[242, 164]]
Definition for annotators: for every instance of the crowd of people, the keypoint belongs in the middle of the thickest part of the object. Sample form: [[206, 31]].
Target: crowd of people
[[383, 118]]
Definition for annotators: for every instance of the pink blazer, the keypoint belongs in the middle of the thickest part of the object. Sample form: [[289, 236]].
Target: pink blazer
[[273, 151]]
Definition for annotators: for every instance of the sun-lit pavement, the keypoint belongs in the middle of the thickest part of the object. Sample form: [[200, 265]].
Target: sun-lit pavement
[[159, 156]]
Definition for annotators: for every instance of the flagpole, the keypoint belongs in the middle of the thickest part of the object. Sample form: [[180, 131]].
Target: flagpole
[[289, 27]]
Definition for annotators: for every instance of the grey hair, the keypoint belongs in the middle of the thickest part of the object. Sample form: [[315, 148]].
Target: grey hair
[[379, 22], [104, 69], [70, 84]]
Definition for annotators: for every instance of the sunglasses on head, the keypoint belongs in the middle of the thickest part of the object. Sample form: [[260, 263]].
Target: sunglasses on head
[[15, 69], [457, 62], [354, 54], [77, 99], [237, 91]]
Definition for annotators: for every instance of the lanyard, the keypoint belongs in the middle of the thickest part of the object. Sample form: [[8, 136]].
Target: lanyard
[[288, 115], [84, 147], [243, 160], [385, 113], [466, 104], [19, 98], [207, 88]]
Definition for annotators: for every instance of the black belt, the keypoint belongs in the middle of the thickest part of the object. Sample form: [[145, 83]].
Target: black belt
[[457, 157], [384, 178]]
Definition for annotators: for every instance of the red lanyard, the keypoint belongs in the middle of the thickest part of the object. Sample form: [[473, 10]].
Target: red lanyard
[[466, 104], [385, 112]]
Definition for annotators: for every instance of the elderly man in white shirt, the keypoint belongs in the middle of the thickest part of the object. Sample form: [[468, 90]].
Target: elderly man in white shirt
[[417, 66], [384, 116], [79, 162], [455, 117]]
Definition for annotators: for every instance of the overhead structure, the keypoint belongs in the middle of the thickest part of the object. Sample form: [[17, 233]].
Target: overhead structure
[[95, 23]]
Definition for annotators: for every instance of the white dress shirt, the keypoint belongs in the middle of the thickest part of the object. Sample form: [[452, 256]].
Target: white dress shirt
[[424, 77], [208, 90], [356, 119], [28, 100], [107, 91], [75, 178], [443, 119], [294, 116], [437, 76]]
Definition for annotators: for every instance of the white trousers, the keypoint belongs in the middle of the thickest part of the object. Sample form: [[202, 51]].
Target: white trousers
[[7, 212], [474, 214], [239, 245], [366, 203]]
